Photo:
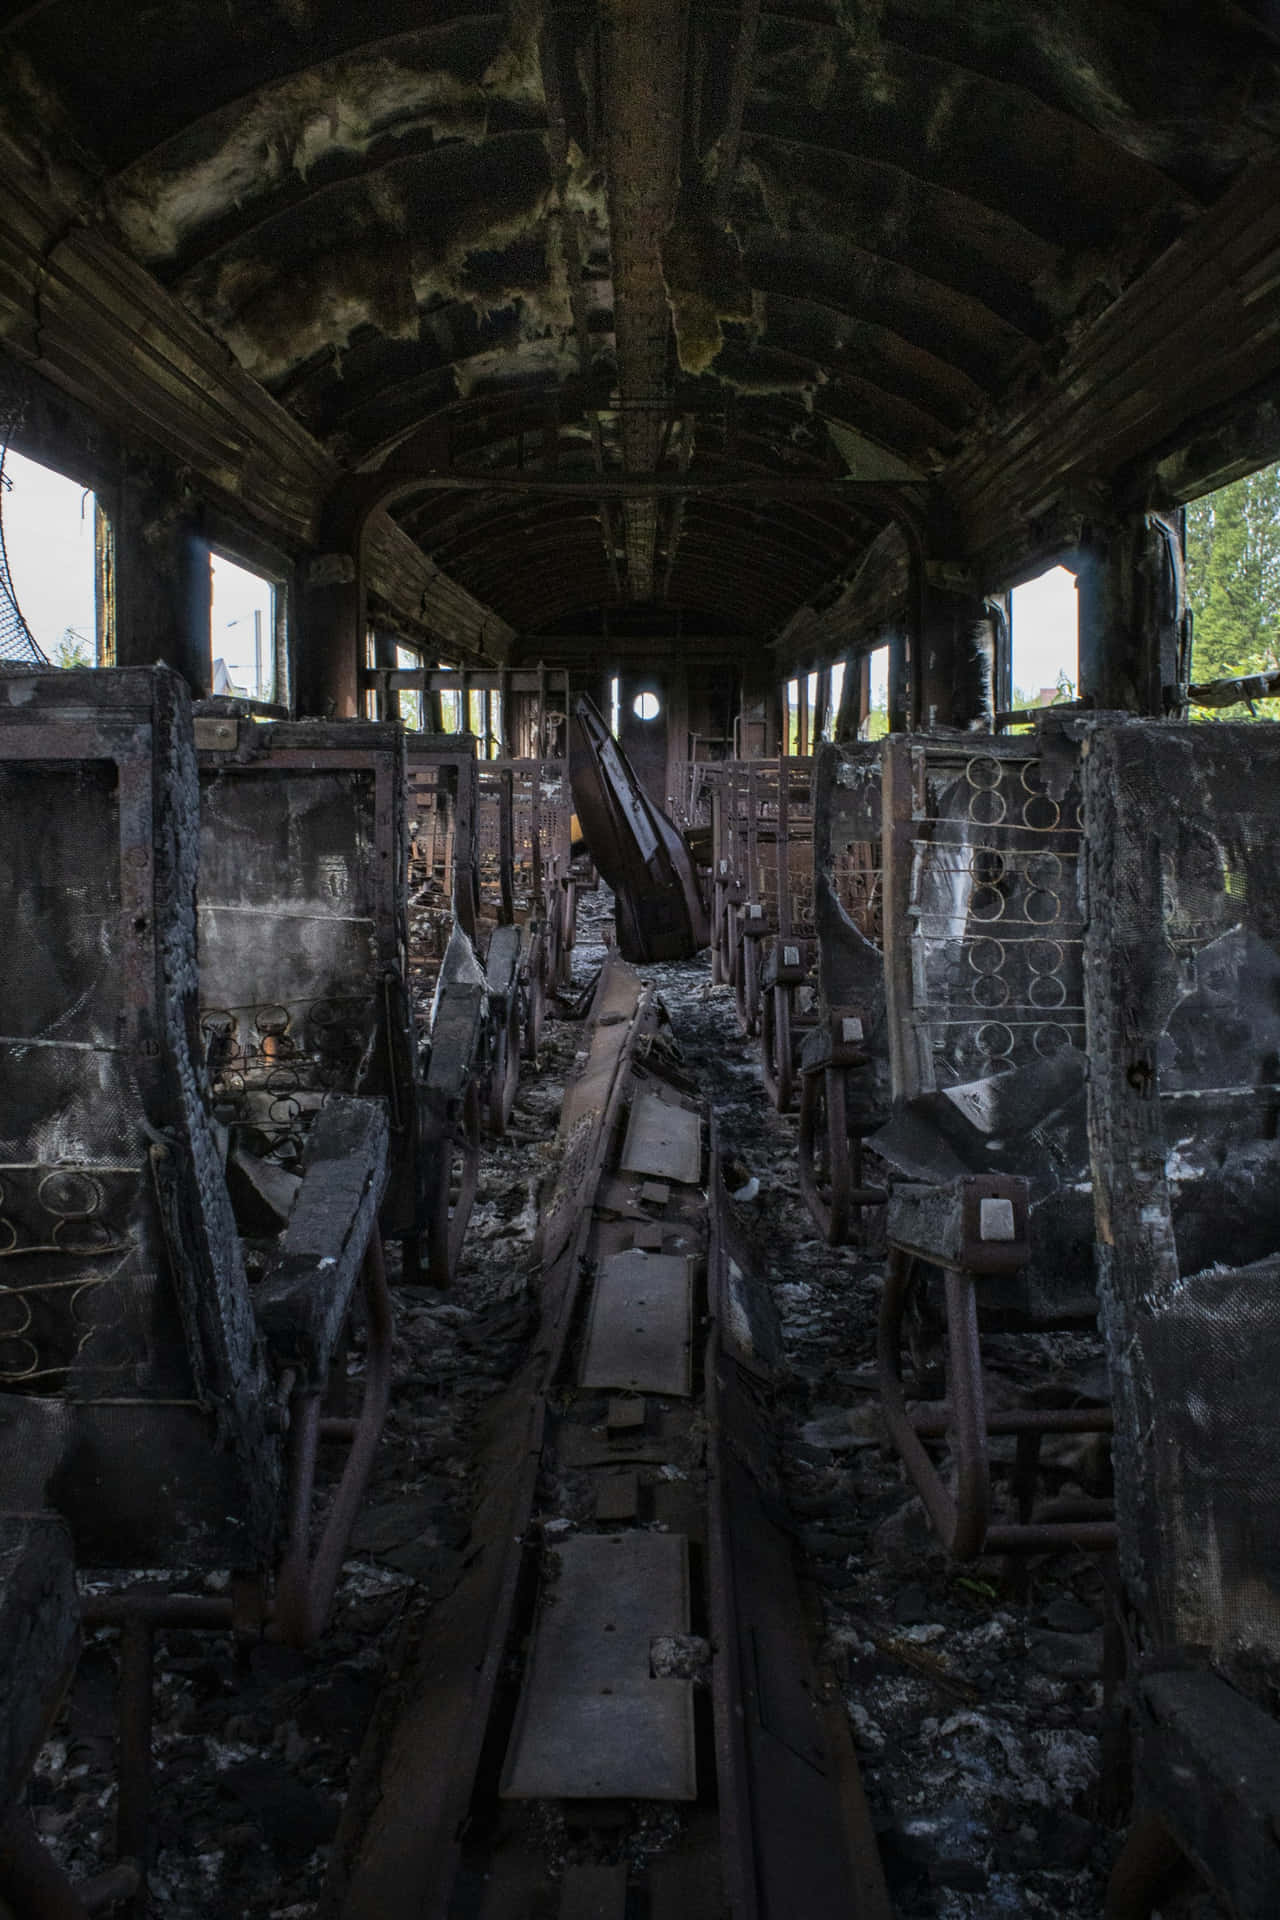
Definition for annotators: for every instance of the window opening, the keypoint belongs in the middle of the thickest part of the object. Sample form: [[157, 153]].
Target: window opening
[[450, 704], [242, 619], [1233, 586], [833, 705], [1044, 640], [410, 700], [875, 723], [646, 706], [791, 714], [48, 564], [615, 706]]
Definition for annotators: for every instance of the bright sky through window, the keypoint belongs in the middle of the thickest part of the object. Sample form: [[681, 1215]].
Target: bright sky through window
[[48, 536], [1045, 633], [246, 651]]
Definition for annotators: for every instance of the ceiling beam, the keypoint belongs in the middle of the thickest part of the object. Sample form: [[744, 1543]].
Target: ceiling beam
[[643, 56]]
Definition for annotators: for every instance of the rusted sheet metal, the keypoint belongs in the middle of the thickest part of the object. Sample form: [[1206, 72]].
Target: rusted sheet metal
[[638, 1330], [664, 1139], [660, 914], [593, 1722]]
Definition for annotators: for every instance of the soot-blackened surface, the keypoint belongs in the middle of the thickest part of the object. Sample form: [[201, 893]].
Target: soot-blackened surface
[[975, 1697], [975, 1708], [254, 1746]]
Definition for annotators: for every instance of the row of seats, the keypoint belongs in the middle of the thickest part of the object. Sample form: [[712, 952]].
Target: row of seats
[[217, 1097], [1045, 984]]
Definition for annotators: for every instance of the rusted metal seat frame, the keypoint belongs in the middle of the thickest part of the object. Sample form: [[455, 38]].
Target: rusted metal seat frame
[[526, 876], [443, 776], [759, 805], [961, 1513], [730, 784], [1183, 823], [789, 958], [440, 777], [259, 1360], [844, 1060]]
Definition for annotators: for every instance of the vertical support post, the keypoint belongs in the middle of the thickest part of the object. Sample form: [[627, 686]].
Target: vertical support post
[[331, 651], [504, 715], [386, 705], [783, 862], [163, 586], [957, 658], [1133, 624]]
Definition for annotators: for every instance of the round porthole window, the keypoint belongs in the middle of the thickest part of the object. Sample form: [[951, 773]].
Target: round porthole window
[[646, 706]]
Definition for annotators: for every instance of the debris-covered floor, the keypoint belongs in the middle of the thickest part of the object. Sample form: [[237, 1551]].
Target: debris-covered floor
[[975, 1694], [976, 1711], [254, 1747]]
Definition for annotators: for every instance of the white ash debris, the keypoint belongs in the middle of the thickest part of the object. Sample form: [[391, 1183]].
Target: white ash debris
[[680, 1656], [993, 1816]]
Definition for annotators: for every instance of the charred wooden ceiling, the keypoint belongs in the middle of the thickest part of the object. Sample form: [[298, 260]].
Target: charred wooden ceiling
[[805, 268]]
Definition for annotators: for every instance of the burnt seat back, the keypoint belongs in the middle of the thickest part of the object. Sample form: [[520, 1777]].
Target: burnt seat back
[[984, 978], [133, 1390], [1182, 979], [848, 897], [303, 934]]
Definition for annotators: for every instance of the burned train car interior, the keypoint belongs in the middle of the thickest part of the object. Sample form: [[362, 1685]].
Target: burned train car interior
[[640, 1079]]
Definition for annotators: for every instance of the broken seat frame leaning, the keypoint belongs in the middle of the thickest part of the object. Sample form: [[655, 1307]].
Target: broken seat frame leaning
[[167, 1409], [1182, 984], [984, 986], [843, 1061]]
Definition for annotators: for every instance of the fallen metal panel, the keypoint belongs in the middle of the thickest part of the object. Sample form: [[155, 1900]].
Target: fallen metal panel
[[638, 1333], [593, 1723], [663, 1140], [593, 1893]]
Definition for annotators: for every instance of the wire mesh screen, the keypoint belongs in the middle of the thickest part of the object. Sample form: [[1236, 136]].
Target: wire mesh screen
[[992, 912]]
